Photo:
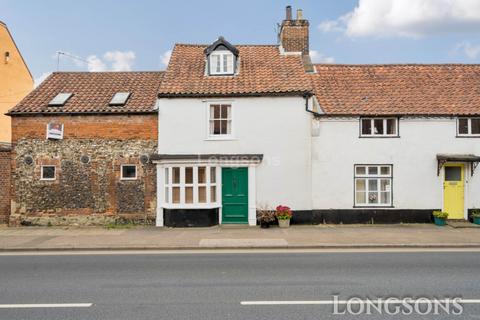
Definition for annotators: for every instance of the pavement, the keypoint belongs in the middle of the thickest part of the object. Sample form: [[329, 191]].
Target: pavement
[[229, 237], [233, 286]]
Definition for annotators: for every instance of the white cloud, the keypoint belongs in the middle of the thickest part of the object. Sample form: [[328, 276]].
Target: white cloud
[[407, 18], [95, 64], [120, 61], [470, 50], [318, 57], [165, 57], [38, 80]]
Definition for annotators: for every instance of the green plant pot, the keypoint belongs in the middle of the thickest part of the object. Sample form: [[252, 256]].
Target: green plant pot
[[476, 220], [440, 221]]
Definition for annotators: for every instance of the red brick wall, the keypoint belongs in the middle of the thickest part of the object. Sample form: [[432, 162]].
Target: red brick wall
[[294, 36], [4, 184], [88, 126]]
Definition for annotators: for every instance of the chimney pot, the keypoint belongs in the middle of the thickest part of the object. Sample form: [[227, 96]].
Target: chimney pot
[[288, 13], [299, 14]]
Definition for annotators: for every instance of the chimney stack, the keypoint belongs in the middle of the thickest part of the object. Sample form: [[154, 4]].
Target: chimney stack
[[294, 37]]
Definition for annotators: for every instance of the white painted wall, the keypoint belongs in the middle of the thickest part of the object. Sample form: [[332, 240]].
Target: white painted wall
[[277, 127], [416, 185]]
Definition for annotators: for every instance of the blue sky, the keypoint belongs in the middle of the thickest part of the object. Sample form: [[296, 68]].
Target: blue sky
[[136, 35]]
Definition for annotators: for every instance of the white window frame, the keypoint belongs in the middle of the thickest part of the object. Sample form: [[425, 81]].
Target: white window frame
[[127, 178], [54, 171], [210, 135], [372, 122], [221, 54], [469, 134], [367, 177], [168, 201]]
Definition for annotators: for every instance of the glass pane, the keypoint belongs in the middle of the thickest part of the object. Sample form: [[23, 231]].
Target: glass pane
[[453, 174], [385, 185], [385, 170], [128, 172], [213, 194], [391, 126], [463, 126], [218, 64], [188, 194], [360, 170], [360, 185], [475, 125], [213, 174], [212, 112], [385, 197], [216, 127], [216, 111], [225, 111], [225, 63], [361, 198], [372, 197], [201, 175], [189, 175], [373, 170], [167, 195], [213, 63], [48, 172], [202, 194], [176, 175], [176, 194], [167, 176], [378, 126], [366, 126], [229, 126], [224, 126], [372, 185]]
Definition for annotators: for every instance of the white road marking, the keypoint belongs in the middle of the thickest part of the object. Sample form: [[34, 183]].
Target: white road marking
[[230, 251], [45, 305], [331, 302]]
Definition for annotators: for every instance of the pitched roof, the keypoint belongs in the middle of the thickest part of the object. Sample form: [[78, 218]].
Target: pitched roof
[[446, 89], [263, 71], [92, 92]]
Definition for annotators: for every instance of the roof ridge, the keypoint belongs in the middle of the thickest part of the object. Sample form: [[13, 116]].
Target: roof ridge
[[103, 72], [397, 64], [236, 45]]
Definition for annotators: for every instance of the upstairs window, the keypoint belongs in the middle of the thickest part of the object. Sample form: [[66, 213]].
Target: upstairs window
[[60, 99], [220, 119], [221, 62], [119, 99], [469, 127], [379, 127]]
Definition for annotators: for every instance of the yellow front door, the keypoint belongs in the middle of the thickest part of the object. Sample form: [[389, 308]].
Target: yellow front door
[[453, 194]]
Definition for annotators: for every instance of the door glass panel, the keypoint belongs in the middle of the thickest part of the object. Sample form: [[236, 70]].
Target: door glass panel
[[463, 126], [453, 174], [366, 126], [475, 124]]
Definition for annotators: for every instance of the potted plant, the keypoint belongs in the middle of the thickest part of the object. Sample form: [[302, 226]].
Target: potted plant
[[283, 214], [440, 218], [476, 216], [265, 217]]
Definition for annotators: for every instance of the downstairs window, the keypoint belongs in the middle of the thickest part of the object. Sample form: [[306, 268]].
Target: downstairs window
[[190, 185], [373, 185]]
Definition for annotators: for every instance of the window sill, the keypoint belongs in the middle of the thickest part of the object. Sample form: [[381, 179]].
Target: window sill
[[220, 138], [190, 205], [467, 136], [128, 179], [374, 207], [378, 137], [48, 180]]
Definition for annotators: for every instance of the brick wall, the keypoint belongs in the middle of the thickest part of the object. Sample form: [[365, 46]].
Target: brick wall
[[87, 188], [4, 184], [294, 36]]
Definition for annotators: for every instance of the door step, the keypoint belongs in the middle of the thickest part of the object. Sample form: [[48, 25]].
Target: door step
[[462, 224]]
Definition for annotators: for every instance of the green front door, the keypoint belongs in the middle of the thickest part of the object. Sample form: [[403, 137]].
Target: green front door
[[234, 195]]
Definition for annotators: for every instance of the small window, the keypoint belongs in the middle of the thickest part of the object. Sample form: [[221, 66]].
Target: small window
[[48, 173], [469, 127], [379, 127], [220, 120], [373, 185], [120, 98], [221, 62], [60, 99], [129, 172]]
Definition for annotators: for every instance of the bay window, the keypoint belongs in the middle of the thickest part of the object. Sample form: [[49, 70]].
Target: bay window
[[373, 185], [190, 185]]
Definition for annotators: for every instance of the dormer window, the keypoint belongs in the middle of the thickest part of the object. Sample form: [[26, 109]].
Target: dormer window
[[221, 62], [60, 99], [221, 58], [119, 99]]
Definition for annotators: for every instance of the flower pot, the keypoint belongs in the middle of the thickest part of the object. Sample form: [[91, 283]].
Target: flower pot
[[476, 220], [440, 221], [264, 224], [284, 223]]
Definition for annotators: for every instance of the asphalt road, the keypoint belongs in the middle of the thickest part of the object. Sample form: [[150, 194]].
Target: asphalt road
[[212, 286]]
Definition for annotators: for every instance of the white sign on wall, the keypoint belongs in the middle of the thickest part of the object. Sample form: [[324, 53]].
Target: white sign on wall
[[55, 131]]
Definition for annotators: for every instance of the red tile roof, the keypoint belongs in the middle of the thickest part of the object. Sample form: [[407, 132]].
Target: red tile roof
[[92, 92], [398, 89], [263, 71]]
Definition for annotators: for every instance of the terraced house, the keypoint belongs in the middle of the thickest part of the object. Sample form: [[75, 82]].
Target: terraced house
[[230, 129]]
